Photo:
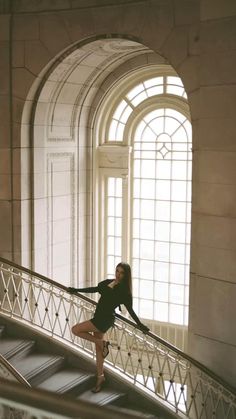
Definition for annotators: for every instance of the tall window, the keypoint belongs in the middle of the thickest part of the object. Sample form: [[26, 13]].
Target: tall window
[[152, 118], [161, 201]]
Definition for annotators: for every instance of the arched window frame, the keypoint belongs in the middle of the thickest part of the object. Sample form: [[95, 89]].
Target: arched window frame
[[113, 158]]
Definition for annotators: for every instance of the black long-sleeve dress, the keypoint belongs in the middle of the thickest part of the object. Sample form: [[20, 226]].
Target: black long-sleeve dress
[[104, 315]]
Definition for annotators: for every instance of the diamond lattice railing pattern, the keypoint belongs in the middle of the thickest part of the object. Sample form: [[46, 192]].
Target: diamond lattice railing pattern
[[144, 359]]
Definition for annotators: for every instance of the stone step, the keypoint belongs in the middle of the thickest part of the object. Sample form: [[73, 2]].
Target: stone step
[[104, 397], [135, 411], [68, 380], [10, 347], [37, 367]]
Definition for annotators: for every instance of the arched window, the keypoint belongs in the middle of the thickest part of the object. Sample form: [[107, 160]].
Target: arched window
[[146, 193]]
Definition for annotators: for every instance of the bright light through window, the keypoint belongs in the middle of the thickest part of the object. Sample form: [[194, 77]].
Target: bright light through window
[[113, 224], [161, 215]]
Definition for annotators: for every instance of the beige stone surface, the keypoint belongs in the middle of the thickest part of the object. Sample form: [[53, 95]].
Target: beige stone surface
[[37, 56], [216, 134], [214, 262], [4, 27], [217, 101], [218, 35], [217, 68], [217, 9], [218, 356], [217, 167], [6, 225], [215, 199], [53, 24], [26, 27]]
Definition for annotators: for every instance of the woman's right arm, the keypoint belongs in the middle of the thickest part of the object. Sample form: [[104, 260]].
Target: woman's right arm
[[72, 290]]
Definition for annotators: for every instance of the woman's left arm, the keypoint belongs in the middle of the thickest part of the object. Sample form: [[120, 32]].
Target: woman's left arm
[[128, 304]]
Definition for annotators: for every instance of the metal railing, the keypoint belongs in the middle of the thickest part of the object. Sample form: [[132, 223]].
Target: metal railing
[[146, 360], [8, 372]]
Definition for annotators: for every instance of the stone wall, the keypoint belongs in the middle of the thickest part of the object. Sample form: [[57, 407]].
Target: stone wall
[[198, 39]]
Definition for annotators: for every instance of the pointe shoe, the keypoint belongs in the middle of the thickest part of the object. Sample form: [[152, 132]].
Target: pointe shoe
[[99, 384], [105, 350]]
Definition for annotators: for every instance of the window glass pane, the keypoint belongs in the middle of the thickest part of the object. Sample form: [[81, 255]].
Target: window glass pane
[[177, 253], [175, 90], [153, 115], [147, 249], [146, 309], [157, 125], [135, 266], [178, 192], [188, 128], [136, 189], [125, 115], [162, 231], [139, 98], [163, 189], [175, 114], [179, 135], [137, 89], [174, 80], [111, 206], [161, 207], [177, 273], [120, 108], [118, 226], [147, 209], [163, 210], [178, 232], [171, 125], [146, 288], [135, 249], [136, 208], [155, 81], [161, 291], [112, 131], [146, 269], [176, 294], [147, 229], [148, 169], [162, 252], [152, 91], [176, 314], [119, 132], [139, 131], [135, 287], [161, 312], [162, 271], [163, 169], [137, 168], [147, 189], [148, 134], [110, 226], [178, 211], [111, 245]]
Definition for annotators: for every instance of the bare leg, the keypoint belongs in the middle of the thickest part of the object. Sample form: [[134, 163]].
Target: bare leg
[[84, 330], [99, 356]]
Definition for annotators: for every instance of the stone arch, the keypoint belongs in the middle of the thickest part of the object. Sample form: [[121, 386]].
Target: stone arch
[[59, 109]]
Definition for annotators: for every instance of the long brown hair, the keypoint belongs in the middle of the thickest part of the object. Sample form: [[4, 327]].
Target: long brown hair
[[127, 280]]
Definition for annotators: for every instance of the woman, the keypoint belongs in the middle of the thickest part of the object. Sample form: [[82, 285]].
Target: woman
[[113, 293]]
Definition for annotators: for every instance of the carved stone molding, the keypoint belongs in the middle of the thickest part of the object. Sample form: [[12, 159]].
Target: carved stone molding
[[114, 156]]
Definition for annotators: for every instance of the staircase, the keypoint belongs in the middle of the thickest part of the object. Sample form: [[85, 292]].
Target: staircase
[[49, 366], [145, 375]]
